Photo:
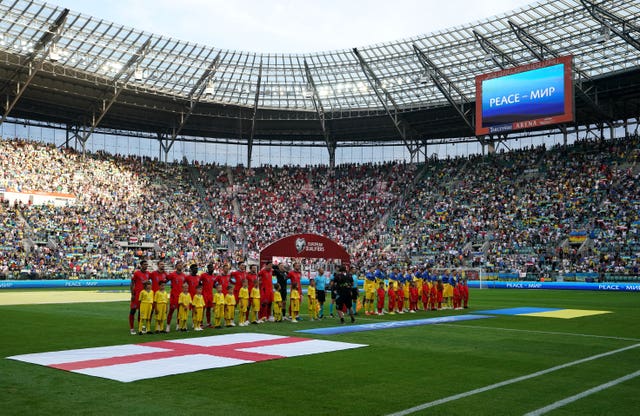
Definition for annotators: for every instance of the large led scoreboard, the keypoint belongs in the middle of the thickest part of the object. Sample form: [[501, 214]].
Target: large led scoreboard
[[525, 97]]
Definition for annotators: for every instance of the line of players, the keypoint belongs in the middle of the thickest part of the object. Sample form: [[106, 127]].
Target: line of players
[[258, 300], [252, 293], [410, 292]]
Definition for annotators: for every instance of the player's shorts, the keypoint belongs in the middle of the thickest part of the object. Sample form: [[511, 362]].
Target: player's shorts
[[135, 304], [208, 302], [334, 294], [321, 295], [369, 295], [344, 300]]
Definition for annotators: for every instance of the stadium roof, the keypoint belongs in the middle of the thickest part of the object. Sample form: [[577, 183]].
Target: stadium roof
[[86, 73]]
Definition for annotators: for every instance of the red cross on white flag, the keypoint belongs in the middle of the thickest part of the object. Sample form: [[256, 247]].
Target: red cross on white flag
[[133, 362]]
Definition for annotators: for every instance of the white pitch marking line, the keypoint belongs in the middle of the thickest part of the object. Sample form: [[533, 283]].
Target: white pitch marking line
[[542, 332], [507, 382], [585, 393]]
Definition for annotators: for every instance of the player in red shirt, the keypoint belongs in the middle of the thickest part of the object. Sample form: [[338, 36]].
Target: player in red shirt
[[433, 295], [295, 276], [464, 293], [413, 297], [381, 295], [176, 279], [224, 278], [252, 280], [193, 279], [400, 297], [140, 277], [207, 280], [252, 276], [456, 294], [425, 295], [157, 276], [440, 289], [237, 277], [392, 299], [266, 290]]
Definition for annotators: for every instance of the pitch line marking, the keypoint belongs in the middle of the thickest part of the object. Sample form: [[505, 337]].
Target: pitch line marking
[[507, 382], [544, 332], [585, 393]]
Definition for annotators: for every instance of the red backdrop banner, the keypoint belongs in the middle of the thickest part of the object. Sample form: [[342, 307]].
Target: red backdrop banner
[[312, 246]]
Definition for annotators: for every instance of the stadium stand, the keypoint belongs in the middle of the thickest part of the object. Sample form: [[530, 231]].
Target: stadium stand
[[563, 210]]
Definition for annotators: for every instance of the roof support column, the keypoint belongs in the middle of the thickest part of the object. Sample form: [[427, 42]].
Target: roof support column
[[256, 100], [165, 146], [118, 86], [32, 64], [613, 22], [498, 56], [194, 98], [317, 104], [447, 88], [385, 99]]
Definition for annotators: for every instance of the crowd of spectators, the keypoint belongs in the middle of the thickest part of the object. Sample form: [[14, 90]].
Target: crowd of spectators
[[126, 200], [518, 210], [515, 210]]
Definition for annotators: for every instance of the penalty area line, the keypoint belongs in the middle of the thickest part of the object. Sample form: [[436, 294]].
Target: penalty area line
[[507, 382], [585, 393]]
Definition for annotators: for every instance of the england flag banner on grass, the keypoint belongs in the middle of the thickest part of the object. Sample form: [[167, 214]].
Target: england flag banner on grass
[[133, 362]]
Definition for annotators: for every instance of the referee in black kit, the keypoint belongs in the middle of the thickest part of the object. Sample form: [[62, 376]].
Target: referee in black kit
[[343, 282], [281, 277]]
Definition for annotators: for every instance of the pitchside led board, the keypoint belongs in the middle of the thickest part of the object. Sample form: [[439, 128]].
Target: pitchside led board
[[525, 97]]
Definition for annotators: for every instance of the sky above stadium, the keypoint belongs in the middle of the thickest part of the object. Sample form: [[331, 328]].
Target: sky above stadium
[[291, 25]]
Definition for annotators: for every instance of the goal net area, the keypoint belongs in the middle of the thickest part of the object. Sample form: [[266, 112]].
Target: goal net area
[[468, 273]]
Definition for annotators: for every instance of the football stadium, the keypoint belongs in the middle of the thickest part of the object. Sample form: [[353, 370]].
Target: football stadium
[[445, 224]]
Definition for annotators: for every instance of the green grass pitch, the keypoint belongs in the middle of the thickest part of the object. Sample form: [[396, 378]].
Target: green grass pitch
[[401, 367]]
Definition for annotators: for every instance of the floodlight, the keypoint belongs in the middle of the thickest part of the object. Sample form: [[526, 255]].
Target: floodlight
[[138, 74], [210, 89], [605, 35], [54, 55], [308, 91]]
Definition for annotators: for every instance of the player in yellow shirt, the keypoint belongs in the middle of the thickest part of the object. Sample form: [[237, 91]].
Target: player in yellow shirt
[[161, 300], [243, 303], [277, 304], [295, 302], [370, 288], [312, 300], [408, 278], [198, 308], [255, 304], [447, 292], [230, 307], [184, 304], [146, 307], [218, 311]]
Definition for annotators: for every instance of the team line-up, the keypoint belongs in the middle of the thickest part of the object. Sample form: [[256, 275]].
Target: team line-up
[[258, 299]]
